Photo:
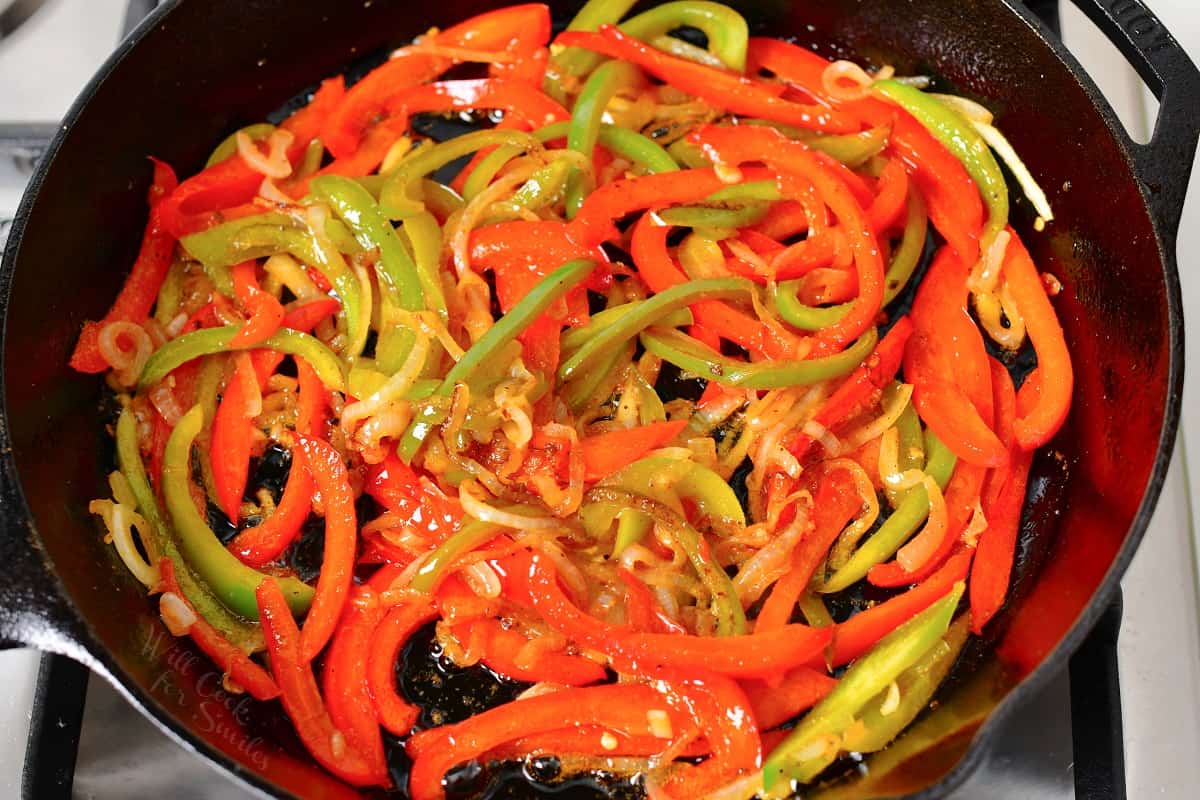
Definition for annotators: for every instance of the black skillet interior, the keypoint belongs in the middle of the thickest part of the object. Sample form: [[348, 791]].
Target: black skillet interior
[[204, 69]]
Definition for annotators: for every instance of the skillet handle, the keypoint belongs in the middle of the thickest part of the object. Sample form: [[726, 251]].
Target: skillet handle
[[1164, 164]]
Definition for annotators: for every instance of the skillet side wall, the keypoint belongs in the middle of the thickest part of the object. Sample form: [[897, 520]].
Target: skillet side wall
[[192, 80]]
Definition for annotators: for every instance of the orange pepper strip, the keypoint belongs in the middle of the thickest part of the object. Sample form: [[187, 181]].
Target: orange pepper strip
[[264, 542], [265, 312], [800, 689], [400, 623], [332, 480], [605, 453], [1056, 378], [232, 436], [345, 681], [299, 693]]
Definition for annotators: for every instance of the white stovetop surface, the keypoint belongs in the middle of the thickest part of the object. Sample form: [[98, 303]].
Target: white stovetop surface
[[1160, 638]]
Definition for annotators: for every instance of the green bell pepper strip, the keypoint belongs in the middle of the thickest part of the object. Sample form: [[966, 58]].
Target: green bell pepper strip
[[397, 198], [867, 677], [575, 60], [230, 243], [464, 540], [170, 294], [743, 192], [243, 635], [917, 685], [399, 281], [629, 144], [207, 341], [310, 162], [506, 329], [910, 449], [230, 580], [424, 236], [816, 614], [440, 200], [726, 29], [900, 525], [907, 254], [852, 149], [726, 607], [649, 312], [574, 338], [705, 217], [632, 527], [688, 155], [608, 80], [485, 170], [900, 270], [651, 409], [961, 138], [342, 237], [208, 388], [694, 356], [544, 188], [228, 145], [582, 392]]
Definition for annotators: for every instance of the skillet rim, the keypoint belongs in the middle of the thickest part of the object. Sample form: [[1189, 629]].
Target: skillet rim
[[87, 649]]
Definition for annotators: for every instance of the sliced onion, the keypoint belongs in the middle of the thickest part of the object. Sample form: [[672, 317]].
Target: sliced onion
[[482, 579], [274, 163], [771, 562], [120, 520], [1029, 185], [267, 190], [889, 464], [744, 252], [126, 363], [849, 538], [986, 273], [175, 613], [976, 526], [480, 510], [974, 112], [162, 397], [288, 271], [846, 81], [897, 402], [819, 433], [391, 391], [989, 307], [921, 547]]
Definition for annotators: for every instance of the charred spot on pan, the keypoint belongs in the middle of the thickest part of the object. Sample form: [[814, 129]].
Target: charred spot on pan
[[270, 471], [305, 556], [515, 780], [220, 524]]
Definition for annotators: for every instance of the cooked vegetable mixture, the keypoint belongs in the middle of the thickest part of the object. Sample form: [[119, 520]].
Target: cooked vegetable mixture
[[619, 405]]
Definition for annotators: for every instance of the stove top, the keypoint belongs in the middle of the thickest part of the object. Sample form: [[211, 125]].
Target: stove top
[[1120, 722]]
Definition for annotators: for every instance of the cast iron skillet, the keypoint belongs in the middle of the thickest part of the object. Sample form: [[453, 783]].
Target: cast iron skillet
[[194, 71]]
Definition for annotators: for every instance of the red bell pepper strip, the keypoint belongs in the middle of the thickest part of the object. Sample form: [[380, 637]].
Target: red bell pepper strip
[[235, 663], [743, 656], [345, 681], [520, 254], [997, 544], [617, 706], [501, 649], [962, 494], [197, 202], [858, 634], [947, 365], [605, 453], [414, 502], [520, 29], [862, 387], [515, 98], [648, 248], [264, 542], [299, 694], [856, 183], [597, 740], [312, 401], [305, 317], [953, 199], [785, 219], [140, 289], [642, 610], [799, 690], [835, 504], [265, 363], [889, 202], [233, 436], [400, 623], [1056, 378], [341, 529], [798, 66], [1005, 402], [735, 93], [265, 312], [798, 167], [363, 161]]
